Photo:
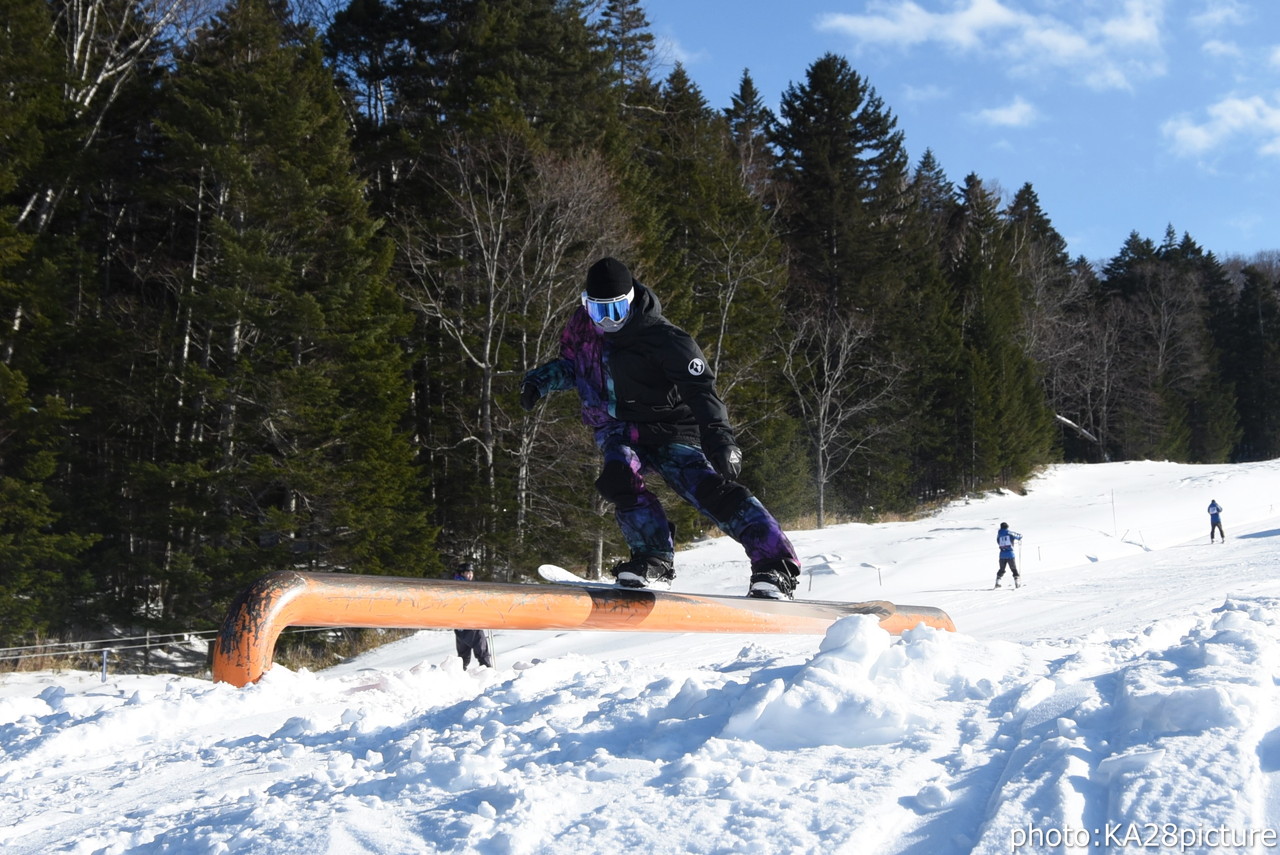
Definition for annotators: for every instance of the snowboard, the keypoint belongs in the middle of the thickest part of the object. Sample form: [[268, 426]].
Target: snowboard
[[561, 576]]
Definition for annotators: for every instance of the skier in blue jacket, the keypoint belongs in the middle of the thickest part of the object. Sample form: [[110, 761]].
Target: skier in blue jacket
[[1004, 539], [1215, 520], [649, 395]]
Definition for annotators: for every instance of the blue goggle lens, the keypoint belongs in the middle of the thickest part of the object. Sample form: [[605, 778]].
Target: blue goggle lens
[[608, 313]]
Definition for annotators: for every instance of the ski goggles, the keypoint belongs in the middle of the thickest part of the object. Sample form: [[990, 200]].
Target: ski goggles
[[609, 315]]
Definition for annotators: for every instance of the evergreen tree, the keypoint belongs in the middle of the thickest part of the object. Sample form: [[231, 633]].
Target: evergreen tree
[[938, 203], [749, 124], [1253, 362], [928, 337], [40, 574], [628, 42], [720, 270], [1009, 423], [844, 166], [1053, 300], [522, 63], [1168, 405], [42, 580], [842, 171], [290, 371], [687, 172], [31, 115], [1211, 398], [1123, 275], [496, 192]]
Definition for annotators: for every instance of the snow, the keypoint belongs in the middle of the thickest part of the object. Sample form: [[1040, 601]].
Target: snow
[[1124, 699]]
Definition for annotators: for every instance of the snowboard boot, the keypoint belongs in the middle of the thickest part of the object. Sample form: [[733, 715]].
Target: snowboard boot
[[997, 583], [774, 580], [1017, 581], [640, 570]]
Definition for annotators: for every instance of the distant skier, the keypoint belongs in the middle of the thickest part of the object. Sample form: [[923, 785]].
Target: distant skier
[[1215, 520], [469, 641], [649, 395], [1004, 539]]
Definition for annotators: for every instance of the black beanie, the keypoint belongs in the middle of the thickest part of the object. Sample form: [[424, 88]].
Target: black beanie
[[607, 279]]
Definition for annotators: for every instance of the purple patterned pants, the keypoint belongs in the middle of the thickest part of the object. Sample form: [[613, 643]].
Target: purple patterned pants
[[685, 468]]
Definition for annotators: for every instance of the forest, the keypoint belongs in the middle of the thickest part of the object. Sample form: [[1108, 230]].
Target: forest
[[271, 273]]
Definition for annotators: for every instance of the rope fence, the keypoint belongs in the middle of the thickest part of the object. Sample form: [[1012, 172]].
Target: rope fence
[[105, 648]]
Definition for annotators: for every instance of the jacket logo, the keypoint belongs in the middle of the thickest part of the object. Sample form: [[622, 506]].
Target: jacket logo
[[697, 367]]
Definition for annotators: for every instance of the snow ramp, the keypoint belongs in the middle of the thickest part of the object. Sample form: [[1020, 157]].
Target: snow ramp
[[245, 645]]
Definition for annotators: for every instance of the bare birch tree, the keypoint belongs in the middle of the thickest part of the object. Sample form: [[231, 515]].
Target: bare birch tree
[[741, 268], [104, 43], [840, 383], [499, 283]]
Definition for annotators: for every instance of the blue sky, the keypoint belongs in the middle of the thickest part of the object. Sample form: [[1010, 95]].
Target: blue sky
[[1125, 115]]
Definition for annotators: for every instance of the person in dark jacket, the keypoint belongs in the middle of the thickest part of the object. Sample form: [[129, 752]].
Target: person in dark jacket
[[1004, 539], [1215, 520], [649, 395], [469, 641]]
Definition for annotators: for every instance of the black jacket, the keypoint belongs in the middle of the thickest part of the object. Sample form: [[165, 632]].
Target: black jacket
[[650, 375]]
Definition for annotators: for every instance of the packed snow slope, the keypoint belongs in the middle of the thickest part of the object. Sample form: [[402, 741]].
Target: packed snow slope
[[1124, 699]]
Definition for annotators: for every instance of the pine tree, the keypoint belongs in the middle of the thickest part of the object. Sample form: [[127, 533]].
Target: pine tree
[[42, 581], [628, 42], [842, 160], [1168, 403], [1211, 397], [842, 174], [291, 370], [1010, 427], [720, 264], [500, 114], [1253, 361], [927, 335], [749, 124], [32, 115], [40, 574], [1053, 300]]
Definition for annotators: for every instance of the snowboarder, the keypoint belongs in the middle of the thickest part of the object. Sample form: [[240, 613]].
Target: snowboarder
[[1004, 539], [469, 641], [1215, 520], [650, 397]]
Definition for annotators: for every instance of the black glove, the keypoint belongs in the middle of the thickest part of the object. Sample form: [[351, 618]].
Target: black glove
[[529, 395], [727, 460]]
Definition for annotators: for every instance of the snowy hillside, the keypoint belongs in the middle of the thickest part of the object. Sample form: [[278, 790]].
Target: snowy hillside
[[1124, 699]]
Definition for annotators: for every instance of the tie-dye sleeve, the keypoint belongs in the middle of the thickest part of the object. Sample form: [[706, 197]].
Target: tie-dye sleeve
[[551, 376], [559, 374]]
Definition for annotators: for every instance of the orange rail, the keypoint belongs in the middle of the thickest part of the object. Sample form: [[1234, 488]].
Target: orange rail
[[243, 650]]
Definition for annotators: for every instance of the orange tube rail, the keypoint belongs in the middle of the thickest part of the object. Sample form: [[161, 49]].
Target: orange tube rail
[[243, 650]]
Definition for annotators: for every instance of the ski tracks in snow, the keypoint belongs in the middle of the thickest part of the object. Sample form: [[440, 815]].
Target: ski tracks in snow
[[1124, 736]]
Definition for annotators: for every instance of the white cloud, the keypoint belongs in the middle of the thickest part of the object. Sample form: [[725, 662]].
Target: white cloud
[[1017, 114], [904, 22], [1139, 25], [1233, 118], [1214, 47], [668, 51], [1219, 13], [1103, 52], [930, 92]]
